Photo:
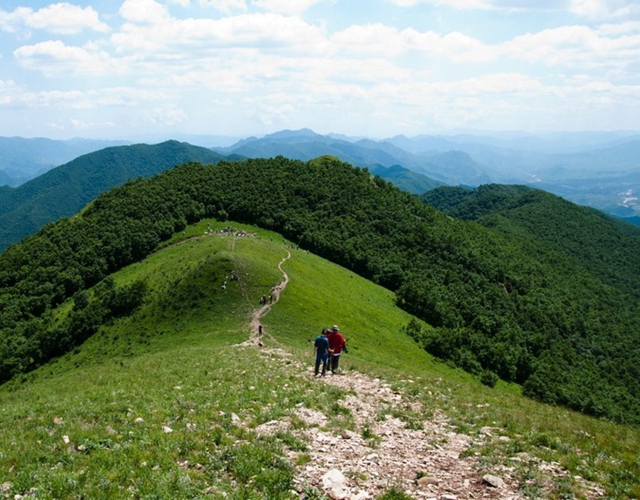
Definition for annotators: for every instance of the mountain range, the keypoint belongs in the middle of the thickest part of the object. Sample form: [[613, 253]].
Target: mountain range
[[597, 169], [600, 170]]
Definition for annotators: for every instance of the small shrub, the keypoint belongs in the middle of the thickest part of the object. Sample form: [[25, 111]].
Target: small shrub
[[489, 378], [394, 494]]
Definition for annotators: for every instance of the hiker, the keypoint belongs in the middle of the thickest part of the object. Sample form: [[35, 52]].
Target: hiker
[[321, 350], [260, 330], [337, 343]]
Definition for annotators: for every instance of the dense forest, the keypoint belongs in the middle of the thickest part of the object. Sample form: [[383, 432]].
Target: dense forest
[[64, 190], [500, 304]]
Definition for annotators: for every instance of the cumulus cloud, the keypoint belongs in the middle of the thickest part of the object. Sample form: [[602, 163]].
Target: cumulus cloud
[[575, 46], [383, 40], [61, 18], [144, 11], [226, 6], [257, 31], [53, 57], [599, 9], [456, 4], [592, 9], [285, 6]]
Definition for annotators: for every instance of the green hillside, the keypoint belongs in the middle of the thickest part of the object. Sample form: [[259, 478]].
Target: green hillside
[[498, 305], [64, 190], [164, 402], [604, 245]]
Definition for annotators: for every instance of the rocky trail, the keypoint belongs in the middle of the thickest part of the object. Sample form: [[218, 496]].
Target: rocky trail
[[424, 457]]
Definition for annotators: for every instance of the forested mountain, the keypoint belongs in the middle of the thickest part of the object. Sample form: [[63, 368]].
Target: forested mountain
[[606, 246], [23, 159], [405, 179], [64, 190], [499, 303]]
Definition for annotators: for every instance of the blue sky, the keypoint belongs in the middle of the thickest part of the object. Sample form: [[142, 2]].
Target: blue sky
[[133, 68]]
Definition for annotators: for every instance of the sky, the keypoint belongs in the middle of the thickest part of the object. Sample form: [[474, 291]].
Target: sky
[[112, 69]]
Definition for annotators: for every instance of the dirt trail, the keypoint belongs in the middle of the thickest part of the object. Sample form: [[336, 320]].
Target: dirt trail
[[256, 338], [396, 443]]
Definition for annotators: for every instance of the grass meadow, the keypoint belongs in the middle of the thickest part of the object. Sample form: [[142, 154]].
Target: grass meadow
[[163, 403]]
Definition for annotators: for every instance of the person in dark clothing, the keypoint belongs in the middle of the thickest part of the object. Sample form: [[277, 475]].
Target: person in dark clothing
[[337, 344], [321, 350]]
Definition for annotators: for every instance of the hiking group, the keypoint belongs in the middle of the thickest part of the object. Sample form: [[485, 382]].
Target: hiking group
[[327, 348]]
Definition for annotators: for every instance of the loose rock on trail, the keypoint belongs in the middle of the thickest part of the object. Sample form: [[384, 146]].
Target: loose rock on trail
[[424, 459]]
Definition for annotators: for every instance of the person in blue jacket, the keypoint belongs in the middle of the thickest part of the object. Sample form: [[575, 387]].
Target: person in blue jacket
[[321, 350]]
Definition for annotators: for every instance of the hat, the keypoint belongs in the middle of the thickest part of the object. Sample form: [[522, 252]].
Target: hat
[[335, 328]]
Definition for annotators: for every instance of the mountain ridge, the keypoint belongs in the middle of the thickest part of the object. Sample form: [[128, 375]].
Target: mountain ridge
[[498, 305], [64, 190]]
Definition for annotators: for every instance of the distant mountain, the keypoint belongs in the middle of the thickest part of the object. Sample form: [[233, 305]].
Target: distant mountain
[[63, 191], [306, 145], [23, 159], [550, 143], [600, 170], [405, 179]]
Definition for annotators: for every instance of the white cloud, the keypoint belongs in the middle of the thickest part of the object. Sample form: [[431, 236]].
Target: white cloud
[[65, 18], [382, 40], [53, 57], [246, 32], [575, 46], [169, 115], [9, 91], [112, 97], [599, 9], [181, 3], [144, 11], [456, 4], [591, 9], [285, 6], [375, 39], [61, 18], [619, 28], [11, 22], [225, 6]]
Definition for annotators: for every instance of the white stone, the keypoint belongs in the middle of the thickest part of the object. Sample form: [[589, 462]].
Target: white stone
[[334, 484], [492, 480]]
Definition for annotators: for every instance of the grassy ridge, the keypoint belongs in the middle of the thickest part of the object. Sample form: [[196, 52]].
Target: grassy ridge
[[172, 365], [501, 306]]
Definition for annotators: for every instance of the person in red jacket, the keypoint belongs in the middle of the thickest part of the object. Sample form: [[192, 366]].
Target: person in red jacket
[[337, 344]]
